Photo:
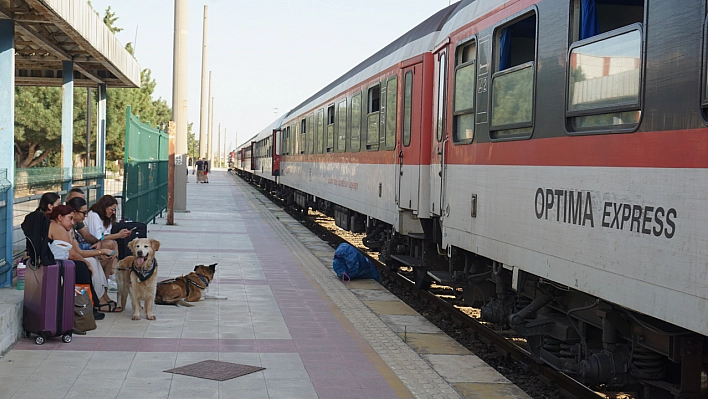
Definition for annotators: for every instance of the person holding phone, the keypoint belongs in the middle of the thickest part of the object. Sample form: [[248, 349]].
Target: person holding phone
[[99, 221]]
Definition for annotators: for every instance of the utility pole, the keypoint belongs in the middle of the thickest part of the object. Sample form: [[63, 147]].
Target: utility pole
[[179, 103], [210, 122], [223, 149], [210, 152], [218, 147], [204, 105]]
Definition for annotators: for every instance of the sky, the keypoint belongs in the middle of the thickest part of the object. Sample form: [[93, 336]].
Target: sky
[[267, 56]]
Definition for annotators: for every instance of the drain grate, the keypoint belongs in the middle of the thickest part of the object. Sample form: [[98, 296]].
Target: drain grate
[[215, 370]]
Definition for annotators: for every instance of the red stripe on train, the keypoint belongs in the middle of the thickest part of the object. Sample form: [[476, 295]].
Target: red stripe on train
[[663, 149]]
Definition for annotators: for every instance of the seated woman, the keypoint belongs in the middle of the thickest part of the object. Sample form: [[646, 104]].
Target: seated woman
[[35, 227], [63, 247], [89, 252], [99, 221]]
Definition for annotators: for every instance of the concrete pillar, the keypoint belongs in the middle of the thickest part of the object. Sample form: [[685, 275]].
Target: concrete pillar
[[67, 122], [7, 145], [204, 104], [179, 103], [210, 123], [218, 148], [101, 137], [210, 148]]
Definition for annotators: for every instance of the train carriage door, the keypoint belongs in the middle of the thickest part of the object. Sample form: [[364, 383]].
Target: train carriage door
[[439, 138], [276, 153], [253, 156], [409, 140]]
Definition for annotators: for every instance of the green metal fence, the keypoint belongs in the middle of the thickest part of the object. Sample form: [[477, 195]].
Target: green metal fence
[[31, 181], [145, 170]]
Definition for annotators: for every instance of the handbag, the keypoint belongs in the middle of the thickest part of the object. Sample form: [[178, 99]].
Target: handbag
[[85, 288], [83, 314]]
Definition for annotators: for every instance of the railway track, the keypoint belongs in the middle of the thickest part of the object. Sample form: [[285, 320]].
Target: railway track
[[512, 359]]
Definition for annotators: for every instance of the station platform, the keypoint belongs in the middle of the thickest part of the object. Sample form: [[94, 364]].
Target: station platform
[[285, 311]]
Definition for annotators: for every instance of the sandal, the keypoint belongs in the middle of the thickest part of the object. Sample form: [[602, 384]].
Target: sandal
[[112, 307]]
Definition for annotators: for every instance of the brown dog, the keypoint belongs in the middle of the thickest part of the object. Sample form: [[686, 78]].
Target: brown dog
[[185, 289], [137, 275]]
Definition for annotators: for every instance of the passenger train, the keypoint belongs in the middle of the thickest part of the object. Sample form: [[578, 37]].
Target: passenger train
[[549, 158]]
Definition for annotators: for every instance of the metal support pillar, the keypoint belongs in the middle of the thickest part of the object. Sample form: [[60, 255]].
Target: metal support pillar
[[89, 101], [7, 146], [101, 137], [67, 123]]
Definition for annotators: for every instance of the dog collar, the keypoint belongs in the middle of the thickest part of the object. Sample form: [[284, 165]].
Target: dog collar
[[197, 285], [204, 280], [144, 274]]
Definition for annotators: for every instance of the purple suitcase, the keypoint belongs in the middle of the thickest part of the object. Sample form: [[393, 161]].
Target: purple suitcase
[[49, 301]]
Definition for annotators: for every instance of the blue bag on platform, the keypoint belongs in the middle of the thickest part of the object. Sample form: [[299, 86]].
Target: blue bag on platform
[[352, 263]]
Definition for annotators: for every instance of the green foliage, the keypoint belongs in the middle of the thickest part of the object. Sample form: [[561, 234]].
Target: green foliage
[[38, 116], [192, 142], [110, 20], [37, 124]]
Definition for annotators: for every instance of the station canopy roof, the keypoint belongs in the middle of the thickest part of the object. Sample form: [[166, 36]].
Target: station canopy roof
[[48, 32]]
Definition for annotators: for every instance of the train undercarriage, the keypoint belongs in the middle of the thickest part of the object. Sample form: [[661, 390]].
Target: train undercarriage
[[601, 344]]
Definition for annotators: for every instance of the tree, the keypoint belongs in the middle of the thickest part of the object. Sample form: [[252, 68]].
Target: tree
[[109, 18], [37, 124], [192, 143]]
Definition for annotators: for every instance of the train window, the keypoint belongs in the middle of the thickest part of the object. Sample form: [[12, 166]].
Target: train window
[[310, 134], [594, 17], [286, 141], [342, 126], [330, 128], [292, 133], [391, 102], [464, 93], [407, 107], [441, 94], [513, 85], [372, 118], [355, 139], [303, 134], [320, 131], [604, 81]]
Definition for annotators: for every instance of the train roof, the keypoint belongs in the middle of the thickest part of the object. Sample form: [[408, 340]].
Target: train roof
[[416, 41], [267, 132], [468, 10]]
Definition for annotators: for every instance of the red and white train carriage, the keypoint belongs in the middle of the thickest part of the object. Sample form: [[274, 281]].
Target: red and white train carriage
[[548, 157]]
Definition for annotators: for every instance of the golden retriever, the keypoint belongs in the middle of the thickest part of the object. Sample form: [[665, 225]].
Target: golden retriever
[[137, 276]]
